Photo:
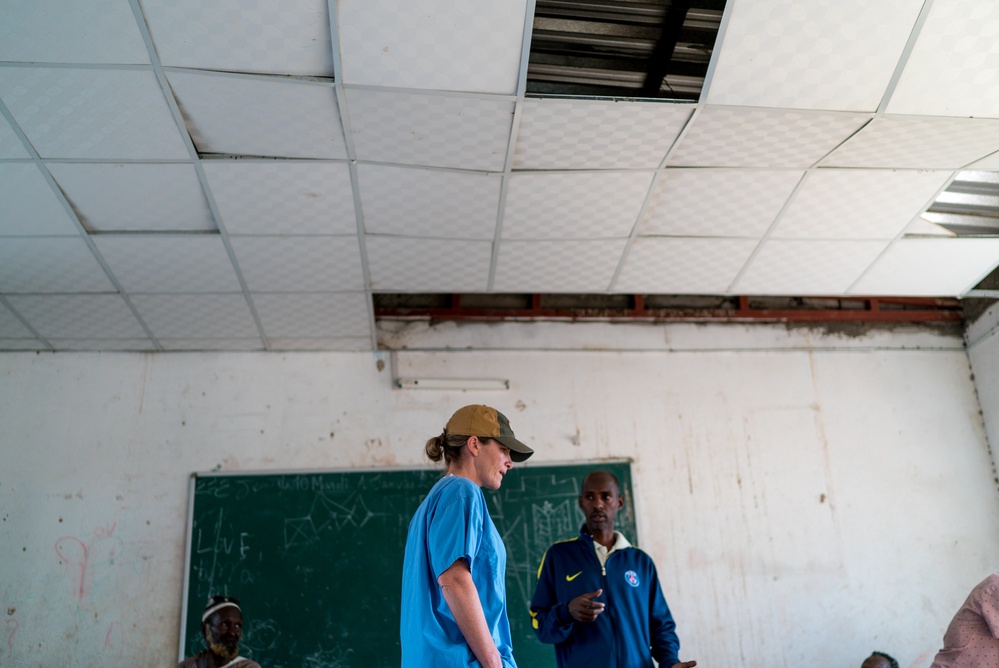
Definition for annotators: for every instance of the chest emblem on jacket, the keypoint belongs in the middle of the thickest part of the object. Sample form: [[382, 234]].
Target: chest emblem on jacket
[[570, 578], [631, 577]]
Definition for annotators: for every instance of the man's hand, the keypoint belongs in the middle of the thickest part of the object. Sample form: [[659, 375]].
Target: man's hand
[[685, 664], [584, 608]]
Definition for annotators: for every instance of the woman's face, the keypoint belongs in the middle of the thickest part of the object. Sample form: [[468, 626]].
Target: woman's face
[[492, 463]]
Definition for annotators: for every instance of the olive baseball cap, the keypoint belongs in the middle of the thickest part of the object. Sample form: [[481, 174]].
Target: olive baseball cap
[[486, 422]]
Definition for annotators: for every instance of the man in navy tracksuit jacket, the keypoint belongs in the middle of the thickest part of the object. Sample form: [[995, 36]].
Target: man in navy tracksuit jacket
[[598, 599]]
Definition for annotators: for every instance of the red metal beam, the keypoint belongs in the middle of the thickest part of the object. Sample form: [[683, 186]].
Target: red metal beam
[[872, 309]]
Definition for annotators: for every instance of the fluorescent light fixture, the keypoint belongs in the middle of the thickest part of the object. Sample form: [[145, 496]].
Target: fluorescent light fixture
[[452, 383]]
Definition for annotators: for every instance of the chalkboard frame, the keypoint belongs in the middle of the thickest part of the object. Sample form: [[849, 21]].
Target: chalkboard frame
[[627, 523]]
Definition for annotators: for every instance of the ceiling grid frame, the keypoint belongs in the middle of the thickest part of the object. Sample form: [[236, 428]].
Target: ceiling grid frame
[[659, 173], [511, 147], [75, 219], [192, 150], [348, 138], [450, 135]]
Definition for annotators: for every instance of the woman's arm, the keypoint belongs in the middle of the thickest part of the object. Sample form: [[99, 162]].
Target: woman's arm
[[463, 599]]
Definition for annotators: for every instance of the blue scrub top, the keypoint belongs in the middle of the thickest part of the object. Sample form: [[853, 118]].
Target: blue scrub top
[[452, 523]]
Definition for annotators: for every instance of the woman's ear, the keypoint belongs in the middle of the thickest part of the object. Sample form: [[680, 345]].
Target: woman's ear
[[474, 445]]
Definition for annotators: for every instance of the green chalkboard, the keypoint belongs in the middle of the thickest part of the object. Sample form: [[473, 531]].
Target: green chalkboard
[[316, 558]]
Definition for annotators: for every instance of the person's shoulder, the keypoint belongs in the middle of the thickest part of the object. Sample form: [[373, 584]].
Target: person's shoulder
[[639, 555], [564, 545], [456, 489], [989, 585], [193, 661]]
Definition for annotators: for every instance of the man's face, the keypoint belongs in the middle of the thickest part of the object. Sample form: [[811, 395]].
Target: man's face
[[600, 500], [224, 631]]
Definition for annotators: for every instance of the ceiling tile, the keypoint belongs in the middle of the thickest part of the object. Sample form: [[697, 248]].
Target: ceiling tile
[[8, 345], [465, 132], [102, 114], [198, 316], [10, 144], [287, 37], [747, 137], [596, 134], [158, 263], [82, 31], [952, 68], [227, 344], [428, 202], [299, 264], [135, 197], [253, 115], [399, 264], [807, 267], [98, 345], [282, 197], [775, 53], [683, 266], [30, 206], [923, 143], [930, 267], [345, 343], [78, 316], [55, 264], [573, 205], [858, 203], [11, 327], [439, 44], [990, 162], [313, 315], [717, 202], [557, 266]]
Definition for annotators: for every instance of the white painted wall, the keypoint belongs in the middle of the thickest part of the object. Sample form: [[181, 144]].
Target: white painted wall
[[807, 497], [982, 339]]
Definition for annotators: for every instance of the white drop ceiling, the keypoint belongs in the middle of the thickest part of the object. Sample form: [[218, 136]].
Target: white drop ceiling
[[231, 175]]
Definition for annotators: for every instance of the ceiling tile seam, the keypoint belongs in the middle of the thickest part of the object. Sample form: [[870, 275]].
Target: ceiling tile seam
[[74, 217], [199, 170], [525, 49], [770, 230], [818, 163], [393, 236], [288, 235], [709, 74], [497, 232], [27, 325], [308, 80], [903, 60], [900, 235], [432, 92], [75, 66], [355, 183], [968, 166], [117, 161], [431, 168], [649, 193], [511, 147], [589, 170]]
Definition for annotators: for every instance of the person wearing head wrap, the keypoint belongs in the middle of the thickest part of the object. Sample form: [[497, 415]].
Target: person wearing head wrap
[[222, 628], [453, 587]]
